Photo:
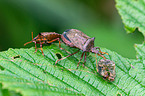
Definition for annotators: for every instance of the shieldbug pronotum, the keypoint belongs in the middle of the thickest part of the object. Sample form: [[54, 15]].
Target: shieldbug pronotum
[[77, 39], [45, 37], [106, 68]]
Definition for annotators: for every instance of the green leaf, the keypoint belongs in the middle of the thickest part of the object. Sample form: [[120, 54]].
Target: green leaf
[[140, 51], [133, 14], [29, 73], [6, 92]]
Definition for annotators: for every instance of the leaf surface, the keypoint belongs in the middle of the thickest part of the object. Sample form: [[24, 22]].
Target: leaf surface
[[29, 73], [133, 14]]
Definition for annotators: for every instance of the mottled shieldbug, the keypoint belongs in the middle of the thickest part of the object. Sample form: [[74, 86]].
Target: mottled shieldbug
[[106, 68], [77, 39], [44, 38]]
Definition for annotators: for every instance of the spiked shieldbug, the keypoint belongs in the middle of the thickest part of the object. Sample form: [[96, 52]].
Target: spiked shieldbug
[[77, 39], [106, 68], [45, 37]]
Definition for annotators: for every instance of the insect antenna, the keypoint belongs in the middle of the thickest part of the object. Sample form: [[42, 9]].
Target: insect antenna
[[29, 41]]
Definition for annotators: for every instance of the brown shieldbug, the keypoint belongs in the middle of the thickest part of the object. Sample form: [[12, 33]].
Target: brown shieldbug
[[43, 38], [77, 39], [106, 68]]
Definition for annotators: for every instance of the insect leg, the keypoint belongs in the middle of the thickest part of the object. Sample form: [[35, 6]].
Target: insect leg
[[101, 56], [96, 62], [41, 47], [101, 51], [53, 40], [80, 59], [62, 48], [35, 47], [59, 44], [85, 60], [67, 56]]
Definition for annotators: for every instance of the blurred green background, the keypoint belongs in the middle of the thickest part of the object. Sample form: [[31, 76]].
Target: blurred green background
[[96, 18]]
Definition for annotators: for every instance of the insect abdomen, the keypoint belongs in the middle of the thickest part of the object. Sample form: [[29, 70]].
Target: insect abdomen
[[50, 35]]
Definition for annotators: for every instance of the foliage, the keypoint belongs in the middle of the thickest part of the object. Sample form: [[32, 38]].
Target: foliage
[[23, 72], [30, 73], [132, 13]]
